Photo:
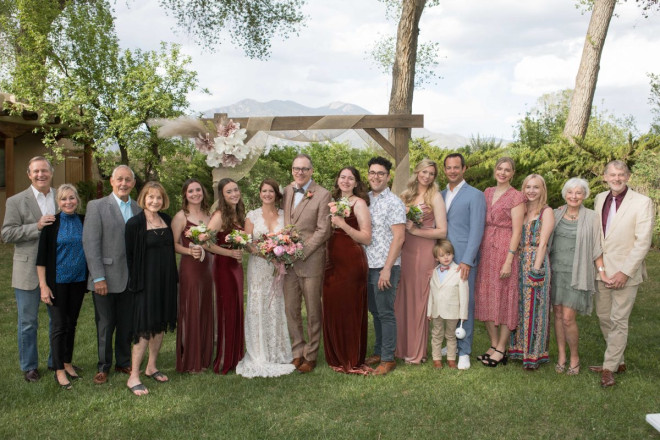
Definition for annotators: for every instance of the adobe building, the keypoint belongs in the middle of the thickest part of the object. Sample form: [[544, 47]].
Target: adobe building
[[18, 144]]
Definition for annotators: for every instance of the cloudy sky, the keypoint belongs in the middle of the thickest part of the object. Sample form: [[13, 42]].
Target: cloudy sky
[[497, 57]]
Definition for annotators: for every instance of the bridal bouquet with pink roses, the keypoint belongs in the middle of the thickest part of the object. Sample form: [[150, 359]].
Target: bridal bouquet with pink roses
[[281, 248]]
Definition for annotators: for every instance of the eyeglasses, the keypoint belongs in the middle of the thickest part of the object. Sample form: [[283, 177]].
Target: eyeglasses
[[300, 170], [377, 173]]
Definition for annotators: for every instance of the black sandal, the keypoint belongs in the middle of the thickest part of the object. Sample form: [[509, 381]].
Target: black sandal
[[491, 363], [485, 356]]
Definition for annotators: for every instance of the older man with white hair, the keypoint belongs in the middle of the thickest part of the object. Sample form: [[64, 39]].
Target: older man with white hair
[[626, 230]]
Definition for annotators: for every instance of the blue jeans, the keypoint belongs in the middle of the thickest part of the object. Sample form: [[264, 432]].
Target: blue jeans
[[27, 303], [465, 344], [381, 306]]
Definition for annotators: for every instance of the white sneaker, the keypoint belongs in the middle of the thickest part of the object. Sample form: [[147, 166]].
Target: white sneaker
[[444, 351], [464, 362]]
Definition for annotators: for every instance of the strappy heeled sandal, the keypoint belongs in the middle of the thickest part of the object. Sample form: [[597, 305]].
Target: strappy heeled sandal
[[492, 363], [486, 355]]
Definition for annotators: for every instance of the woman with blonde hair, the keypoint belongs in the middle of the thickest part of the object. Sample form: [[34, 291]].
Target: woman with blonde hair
[[496, 288], [417, 258], [529, 342], [62, 272], [152, 280]]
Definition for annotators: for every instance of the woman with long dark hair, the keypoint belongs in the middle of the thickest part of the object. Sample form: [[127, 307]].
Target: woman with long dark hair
[[345, 283], [194, 337], [228, 277], [267, 343]]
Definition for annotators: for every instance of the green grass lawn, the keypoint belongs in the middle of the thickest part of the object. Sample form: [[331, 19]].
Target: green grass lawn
[[412, 402]]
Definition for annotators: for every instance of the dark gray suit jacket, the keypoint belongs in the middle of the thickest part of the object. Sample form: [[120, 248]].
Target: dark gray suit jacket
[[104, 245], [22, 214]]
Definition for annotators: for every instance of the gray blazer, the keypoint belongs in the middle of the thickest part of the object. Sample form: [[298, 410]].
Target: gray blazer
[[104, 245], [22, 214]]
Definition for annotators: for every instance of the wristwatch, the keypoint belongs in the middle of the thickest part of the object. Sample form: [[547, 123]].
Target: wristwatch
[[601, 268]]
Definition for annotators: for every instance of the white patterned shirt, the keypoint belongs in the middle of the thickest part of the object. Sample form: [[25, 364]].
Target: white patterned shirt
[[386, 210]]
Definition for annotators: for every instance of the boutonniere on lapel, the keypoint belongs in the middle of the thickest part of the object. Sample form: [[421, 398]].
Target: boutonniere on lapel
[[309, 195]]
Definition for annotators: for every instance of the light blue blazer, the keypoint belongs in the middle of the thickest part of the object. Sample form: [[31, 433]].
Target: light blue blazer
[[465, 224]]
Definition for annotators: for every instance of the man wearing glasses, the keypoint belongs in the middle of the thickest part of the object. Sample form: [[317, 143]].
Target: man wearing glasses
[[388, 227], [306, 207]]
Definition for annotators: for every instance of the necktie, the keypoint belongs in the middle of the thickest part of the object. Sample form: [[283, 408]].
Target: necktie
[[611, 215]]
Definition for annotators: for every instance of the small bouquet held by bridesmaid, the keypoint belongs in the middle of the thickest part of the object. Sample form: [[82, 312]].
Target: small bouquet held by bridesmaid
[[340, 208], [201, 235], [237, 239], [415, 215]]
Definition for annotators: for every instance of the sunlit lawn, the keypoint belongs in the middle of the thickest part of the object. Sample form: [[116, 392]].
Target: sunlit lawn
[[412, 402]]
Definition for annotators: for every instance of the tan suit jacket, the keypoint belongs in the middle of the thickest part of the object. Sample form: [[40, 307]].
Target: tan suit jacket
[[448, 299], [22, 214], [311, 218], [628, 239]]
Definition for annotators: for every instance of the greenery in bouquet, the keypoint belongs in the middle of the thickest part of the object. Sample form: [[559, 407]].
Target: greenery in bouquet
[[415, 214], [340, 208], [201, 235], [237, 239], [283, 247]]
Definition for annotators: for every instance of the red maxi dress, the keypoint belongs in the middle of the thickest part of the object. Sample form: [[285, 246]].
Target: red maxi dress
[[228, 277]]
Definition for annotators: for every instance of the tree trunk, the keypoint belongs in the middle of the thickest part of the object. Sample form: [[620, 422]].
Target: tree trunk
[[403, 85], [579, 112]]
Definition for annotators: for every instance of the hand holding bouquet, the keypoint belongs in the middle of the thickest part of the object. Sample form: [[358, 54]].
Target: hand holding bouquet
[[415, 215], [339, 208], [201, 235], [281, 248], [238, 239]]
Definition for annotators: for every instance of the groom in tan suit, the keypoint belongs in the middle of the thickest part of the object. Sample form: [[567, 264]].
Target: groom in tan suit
[[626, 229], [306, 207]]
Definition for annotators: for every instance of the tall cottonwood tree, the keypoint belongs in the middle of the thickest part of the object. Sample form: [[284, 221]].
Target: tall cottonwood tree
[[403, 74], [579, 113]]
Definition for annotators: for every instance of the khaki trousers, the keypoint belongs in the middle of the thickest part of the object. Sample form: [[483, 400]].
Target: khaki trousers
[[446, 328], [613, 308], [295, 289]]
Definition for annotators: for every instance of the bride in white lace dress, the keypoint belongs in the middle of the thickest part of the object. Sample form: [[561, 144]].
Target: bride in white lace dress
[[267, 343]]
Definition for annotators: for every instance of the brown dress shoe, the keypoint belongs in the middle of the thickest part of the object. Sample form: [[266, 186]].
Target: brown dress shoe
[[437, 364], [599, 369], [125, 370], [297, 362], [607, 379], [371, 360], [32, 375], [452, 364], [384, 368], [101, 377], [307, 366]]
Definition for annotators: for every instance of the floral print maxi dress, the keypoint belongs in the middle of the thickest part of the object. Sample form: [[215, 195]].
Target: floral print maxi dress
[[530, 340]]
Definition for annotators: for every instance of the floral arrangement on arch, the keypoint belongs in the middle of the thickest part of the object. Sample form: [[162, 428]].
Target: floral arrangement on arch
[[224, 144], [226, 148]]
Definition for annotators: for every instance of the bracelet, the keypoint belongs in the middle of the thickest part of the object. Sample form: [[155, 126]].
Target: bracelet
[[512, 252], [601, 268]]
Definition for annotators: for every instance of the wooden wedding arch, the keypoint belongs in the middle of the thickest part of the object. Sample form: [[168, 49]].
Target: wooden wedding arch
[[400, 125]]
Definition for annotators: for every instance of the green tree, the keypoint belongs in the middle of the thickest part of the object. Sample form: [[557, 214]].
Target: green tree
[[250, 24]]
